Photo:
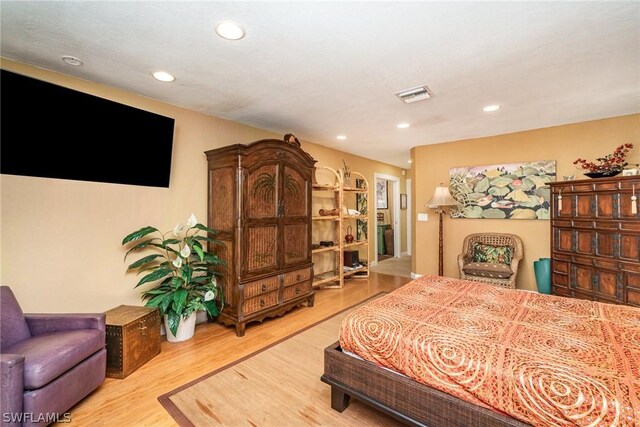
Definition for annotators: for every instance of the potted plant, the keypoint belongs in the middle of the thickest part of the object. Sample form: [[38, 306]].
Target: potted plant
[[609, 165], [183, 273]]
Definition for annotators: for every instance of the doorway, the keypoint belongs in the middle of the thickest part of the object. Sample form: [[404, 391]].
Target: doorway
[[387, 208]]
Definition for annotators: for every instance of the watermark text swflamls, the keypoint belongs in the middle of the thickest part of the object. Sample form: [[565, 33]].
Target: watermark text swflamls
[[30, 417]]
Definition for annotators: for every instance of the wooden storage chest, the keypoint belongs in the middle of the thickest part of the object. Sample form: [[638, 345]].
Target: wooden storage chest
[[595, 240], [133, 338]]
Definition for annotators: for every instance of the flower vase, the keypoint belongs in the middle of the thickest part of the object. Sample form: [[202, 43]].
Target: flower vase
[[186, 328], [542, 269]]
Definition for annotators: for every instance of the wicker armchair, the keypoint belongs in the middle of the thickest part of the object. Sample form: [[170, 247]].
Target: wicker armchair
[[494, 239]]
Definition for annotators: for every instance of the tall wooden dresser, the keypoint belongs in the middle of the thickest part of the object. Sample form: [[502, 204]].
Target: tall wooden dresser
[[595, 240], [260, 205]]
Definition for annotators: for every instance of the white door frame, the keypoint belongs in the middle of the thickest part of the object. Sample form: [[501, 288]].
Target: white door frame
[[396, 214], [408, 189]]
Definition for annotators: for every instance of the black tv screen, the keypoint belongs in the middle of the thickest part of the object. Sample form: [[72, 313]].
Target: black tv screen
[[53, 132]]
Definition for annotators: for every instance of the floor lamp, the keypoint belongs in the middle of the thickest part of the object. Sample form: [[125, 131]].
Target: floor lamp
[[441, 198]]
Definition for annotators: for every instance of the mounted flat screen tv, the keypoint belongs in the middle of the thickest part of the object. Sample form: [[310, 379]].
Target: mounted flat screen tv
[[53, 132]]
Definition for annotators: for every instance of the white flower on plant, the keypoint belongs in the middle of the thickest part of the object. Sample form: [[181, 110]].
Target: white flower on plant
[[186, 251], [177, 263], [177, 229], [192, 221], [209, 295]]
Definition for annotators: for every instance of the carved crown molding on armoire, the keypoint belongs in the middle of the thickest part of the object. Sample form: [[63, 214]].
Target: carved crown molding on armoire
[[259, 202]]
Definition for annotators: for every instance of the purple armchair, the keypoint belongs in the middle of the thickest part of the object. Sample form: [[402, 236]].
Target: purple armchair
[[49, 362]]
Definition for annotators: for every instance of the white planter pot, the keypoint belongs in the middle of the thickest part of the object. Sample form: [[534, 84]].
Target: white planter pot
[[185, 331]]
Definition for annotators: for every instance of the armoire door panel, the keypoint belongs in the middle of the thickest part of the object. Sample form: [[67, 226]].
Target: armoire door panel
[[584, 242], [296, 245], [630, 247], [606, 244], [261, 200], [625, 211], [564, 240], [607, 284], [223, 180], [581, 277], [295, 193], [261, 249], [584, 205], [605, 204], [568, 201]]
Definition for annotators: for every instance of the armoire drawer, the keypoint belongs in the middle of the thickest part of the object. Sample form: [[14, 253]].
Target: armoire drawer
[[261, 302], [297, 276], [294, 291], [252, 289]]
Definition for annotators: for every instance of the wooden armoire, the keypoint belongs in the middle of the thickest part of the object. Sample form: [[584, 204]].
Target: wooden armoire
[[595, 240], [260, 205]]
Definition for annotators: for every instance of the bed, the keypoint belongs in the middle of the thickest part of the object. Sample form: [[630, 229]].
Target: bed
[[450, 352]]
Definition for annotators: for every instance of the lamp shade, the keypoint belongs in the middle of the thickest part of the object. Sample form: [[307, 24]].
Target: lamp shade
[[442, 197]]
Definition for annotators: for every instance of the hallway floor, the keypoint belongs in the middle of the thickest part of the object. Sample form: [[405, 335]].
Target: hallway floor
[[394, 266]]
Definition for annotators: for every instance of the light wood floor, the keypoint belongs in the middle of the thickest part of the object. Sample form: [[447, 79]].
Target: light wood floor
[[394, 266], [133, 400]]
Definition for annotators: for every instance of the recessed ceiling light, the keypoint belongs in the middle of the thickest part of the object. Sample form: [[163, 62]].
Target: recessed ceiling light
[[341, 137], [403, 125], [490, 108], [229, 30], [163, 76], [72, 60]]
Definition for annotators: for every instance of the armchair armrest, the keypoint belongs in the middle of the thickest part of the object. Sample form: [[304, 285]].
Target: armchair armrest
[[43, 323], [11, 387]]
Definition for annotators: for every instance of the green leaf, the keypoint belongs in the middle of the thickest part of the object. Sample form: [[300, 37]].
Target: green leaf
[[198, 248], [205, 228], [177, 281], [143, 261], [141, 245], [152, 277], [211, 308], [173, 319], [179, 300], [138, 234], [170, 242]]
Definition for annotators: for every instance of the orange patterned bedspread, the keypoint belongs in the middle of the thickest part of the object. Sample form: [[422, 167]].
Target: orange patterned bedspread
[[543, 359]]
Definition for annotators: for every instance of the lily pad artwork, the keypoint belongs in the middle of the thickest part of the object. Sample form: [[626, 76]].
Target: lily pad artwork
[[508, 191]]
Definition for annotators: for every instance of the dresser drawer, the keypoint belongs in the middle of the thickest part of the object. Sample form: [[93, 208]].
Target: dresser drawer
[[297, 290], [297, 276], [261, 302], [252, 289]]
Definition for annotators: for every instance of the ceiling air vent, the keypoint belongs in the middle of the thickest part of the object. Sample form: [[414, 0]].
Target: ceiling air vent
[[416, 94]]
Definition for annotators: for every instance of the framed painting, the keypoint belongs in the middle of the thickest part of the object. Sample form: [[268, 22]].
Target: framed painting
[[381, 194], [506, 191]]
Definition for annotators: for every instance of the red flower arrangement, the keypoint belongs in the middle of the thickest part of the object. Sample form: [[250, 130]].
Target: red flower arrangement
[[610, 163]]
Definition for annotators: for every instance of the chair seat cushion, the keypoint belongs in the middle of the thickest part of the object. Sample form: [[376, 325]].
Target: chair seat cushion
[[49, 355], [487, 269]]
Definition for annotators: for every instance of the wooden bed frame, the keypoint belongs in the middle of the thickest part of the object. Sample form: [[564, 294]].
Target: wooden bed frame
[[401, 397]]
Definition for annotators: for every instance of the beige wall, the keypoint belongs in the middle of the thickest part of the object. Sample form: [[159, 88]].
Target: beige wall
[[60, 239], [564, 144]]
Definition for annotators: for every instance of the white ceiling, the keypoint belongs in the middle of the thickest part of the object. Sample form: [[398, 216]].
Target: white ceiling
[[319, 69]]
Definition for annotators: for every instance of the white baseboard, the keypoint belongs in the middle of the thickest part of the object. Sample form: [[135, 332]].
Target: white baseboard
[[415, 275]]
